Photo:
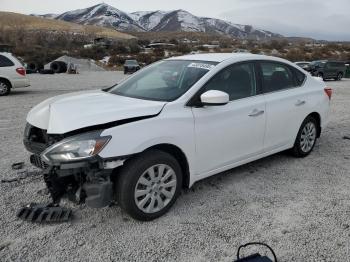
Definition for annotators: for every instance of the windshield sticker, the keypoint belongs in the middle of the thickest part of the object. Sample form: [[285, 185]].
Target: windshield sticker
[[201, 66]]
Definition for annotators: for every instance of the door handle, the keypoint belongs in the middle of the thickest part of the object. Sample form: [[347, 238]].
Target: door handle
[[300, 102], [256, 112]]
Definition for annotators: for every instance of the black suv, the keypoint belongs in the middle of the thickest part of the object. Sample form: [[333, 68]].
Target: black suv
[[131, 66], [328, 69]]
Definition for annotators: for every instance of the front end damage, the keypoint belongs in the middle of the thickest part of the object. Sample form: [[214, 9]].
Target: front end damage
[[87, 180], [81, 182]]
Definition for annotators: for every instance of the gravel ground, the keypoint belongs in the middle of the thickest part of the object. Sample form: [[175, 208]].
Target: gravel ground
[[298, 206]]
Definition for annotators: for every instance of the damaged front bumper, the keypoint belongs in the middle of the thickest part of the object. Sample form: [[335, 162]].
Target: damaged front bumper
[[89, 181]]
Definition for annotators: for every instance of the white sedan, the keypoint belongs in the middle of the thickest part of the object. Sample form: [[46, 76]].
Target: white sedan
[[171, 124]]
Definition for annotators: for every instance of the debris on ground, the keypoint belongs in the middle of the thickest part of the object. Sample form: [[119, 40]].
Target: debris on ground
[[46, 72], [43, 192], [45, 213], [17, 166], [5, 244], [21, 176]]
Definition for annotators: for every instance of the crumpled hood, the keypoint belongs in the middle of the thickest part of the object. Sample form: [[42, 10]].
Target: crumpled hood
[[69, 112]]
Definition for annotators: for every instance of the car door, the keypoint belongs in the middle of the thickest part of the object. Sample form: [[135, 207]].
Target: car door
[[285, 103], [328, 70], [233, 132], [7, 67]]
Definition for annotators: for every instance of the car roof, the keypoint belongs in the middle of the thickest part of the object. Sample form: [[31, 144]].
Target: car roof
[[220, 57], [7, 54]]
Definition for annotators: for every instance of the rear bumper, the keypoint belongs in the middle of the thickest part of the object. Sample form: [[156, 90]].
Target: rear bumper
[[131, 69], [20, 82]]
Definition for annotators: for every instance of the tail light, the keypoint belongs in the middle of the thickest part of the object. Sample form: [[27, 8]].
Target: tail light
[[329, 92], [21, 71]]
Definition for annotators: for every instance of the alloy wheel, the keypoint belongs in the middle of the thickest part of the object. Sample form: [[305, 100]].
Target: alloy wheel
[[155, 188], [308, 137]]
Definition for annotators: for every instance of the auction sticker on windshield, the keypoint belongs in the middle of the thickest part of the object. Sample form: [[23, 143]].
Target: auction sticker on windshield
[[201, 66]]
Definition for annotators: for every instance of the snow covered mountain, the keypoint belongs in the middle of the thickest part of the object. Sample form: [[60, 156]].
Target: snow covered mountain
[[159, 21], [102, 15]]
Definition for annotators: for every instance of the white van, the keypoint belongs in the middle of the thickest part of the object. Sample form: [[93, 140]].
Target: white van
[[12, 74]]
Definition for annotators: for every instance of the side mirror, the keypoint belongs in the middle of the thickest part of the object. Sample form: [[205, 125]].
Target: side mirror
[[214, 98]]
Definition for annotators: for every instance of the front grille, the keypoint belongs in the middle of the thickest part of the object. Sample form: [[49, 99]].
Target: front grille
[[36, 160]]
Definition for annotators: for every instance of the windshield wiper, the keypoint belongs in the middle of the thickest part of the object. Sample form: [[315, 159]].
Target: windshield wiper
[[107, 89]]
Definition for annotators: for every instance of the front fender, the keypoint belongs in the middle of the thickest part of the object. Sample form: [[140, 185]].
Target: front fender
[[174, 127]]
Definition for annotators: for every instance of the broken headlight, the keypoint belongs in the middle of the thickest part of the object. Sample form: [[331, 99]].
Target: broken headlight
[[76, 148]]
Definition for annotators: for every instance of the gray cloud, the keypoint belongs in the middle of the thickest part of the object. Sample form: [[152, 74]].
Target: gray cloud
[[313, 18]]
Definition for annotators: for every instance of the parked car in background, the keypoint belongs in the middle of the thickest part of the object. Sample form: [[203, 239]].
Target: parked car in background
[[304, 65], [12, 74], [154, 133], [328, 69], [347, 72], [131, 66]]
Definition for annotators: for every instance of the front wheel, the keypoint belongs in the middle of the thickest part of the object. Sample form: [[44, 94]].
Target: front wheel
[[306, 138], [149, 184]]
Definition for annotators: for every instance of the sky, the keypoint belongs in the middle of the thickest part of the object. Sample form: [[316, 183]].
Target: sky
[[320, 19]]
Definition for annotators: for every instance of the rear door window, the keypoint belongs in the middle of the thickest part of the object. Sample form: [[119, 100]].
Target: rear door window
[[5, 62], [277, 76], [299, 76]]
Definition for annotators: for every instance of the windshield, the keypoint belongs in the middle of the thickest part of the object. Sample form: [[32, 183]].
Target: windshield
[[163, 81], [318, 63], [131, 62]]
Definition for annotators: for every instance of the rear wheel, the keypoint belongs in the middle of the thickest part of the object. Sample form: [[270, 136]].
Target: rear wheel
[[5, 88], [339, 76], [149, 184], [306, 138]]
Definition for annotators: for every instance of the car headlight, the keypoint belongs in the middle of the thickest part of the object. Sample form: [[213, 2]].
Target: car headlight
[[76, 148]]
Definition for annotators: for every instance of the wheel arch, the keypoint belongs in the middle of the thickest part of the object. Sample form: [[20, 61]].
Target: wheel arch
[[180, 156], [6, 80], [317, 117]]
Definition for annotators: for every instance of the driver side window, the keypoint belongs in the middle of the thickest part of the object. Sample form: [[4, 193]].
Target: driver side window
[[238, 81]]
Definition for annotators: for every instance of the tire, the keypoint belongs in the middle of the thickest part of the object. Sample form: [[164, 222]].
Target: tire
[[136, 176], [321, 76], [32, 67], [339, 76], [29, 71], [46, 72], [35, 67], [306, 138], [5, 88], [59, 67]]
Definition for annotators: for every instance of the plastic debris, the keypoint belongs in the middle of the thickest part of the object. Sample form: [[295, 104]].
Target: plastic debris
[[45, 213]]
